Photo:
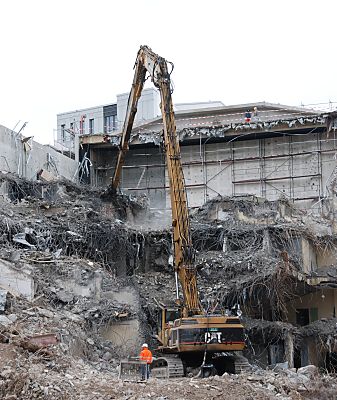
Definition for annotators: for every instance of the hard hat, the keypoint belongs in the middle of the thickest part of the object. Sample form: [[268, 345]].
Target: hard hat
[[144, 345]]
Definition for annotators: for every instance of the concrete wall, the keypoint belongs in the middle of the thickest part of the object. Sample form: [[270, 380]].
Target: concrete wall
[[324, 300], [326, 258], [294, 159], [143, 169], [309, 257], [17, 282], [295, 167], [126, 335], [27, 159], [197, 106]]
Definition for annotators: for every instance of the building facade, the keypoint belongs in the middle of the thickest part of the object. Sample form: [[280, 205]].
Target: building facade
[[108, 119], [281, 152], [104, 119], [93, 120]]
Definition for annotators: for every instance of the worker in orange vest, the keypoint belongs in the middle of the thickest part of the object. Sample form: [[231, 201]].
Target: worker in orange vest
[[145, 355]]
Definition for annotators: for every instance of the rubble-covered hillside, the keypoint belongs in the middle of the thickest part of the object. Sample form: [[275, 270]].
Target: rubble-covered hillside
[[80, 272]]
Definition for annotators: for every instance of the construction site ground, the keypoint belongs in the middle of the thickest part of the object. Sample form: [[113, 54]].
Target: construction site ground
[[35, 376], [79, 274]]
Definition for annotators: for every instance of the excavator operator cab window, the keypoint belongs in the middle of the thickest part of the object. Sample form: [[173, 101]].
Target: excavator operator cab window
[[172, 315], [167, 317]]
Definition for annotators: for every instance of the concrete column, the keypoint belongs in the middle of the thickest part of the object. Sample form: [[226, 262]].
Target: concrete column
[[289, 349], [224, 244], [93, 178], [266, 241], [306, 256], [98, 278], [77, 148]]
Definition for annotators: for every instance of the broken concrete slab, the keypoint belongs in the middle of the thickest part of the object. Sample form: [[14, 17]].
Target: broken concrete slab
[[12, 317], [44, 312], [72, 317], [20, 238], [64, 296], [17, 282], [46, 176], [5, 321], [309, 371], [3, 300]]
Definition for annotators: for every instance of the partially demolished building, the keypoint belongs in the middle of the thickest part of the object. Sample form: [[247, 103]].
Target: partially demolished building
[[83, 270], [282, 151], [267, 232], [278, 262], [27, 158]]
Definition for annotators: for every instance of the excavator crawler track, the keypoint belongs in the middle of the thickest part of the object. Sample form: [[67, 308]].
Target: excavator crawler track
[[167, 367], [241, 364]]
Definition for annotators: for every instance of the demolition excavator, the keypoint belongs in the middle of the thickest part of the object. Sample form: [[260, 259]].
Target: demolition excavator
[[188, 336]]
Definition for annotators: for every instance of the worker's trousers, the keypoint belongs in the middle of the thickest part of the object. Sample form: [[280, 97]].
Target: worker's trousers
[[145, 371]]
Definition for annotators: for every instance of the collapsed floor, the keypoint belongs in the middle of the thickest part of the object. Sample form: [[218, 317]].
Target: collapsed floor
[[81, 272]]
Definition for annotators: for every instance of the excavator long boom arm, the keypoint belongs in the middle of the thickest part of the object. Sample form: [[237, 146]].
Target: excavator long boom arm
[[149, 62]]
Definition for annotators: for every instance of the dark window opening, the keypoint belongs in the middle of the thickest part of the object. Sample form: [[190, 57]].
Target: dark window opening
[[82, 126], [91, 126], [302, 316], [63, 133], [172, 315], [301, 356], [110, 123], [297, 358]]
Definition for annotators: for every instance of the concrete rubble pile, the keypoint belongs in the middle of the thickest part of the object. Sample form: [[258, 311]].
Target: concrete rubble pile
[[80, 272], [59, 295], [258, 254], [264, 260]]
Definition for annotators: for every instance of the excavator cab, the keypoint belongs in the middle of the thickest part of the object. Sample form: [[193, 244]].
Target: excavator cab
[[210, 342], [166, 319]]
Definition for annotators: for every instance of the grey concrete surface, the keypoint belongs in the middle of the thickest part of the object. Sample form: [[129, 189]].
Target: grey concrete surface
[[26, 157]]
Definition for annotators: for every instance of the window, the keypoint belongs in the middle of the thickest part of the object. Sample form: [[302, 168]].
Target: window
[[82, 126], [72, 127], [106, 124], [172, 315], [305, 316], [63, 133], [91, 126], [110, 123], [302, 316]]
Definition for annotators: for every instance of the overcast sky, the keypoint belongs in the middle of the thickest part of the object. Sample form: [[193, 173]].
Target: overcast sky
[[62, 55]]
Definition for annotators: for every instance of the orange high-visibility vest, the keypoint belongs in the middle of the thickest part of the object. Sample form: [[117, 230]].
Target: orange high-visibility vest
[[146, 355]]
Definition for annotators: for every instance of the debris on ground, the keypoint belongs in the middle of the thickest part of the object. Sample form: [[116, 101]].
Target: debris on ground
[[81, 272]]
